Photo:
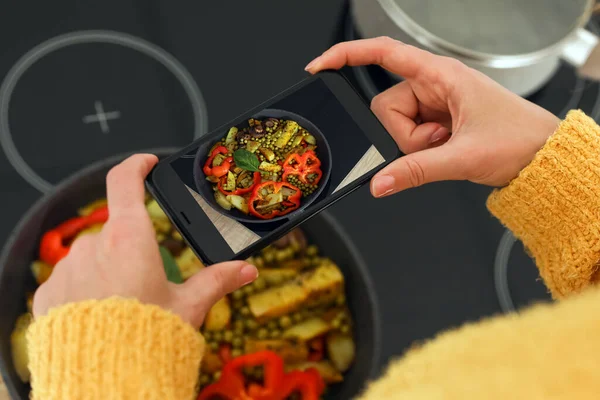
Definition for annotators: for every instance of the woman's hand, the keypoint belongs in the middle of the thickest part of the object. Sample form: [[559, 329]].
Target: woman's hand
[[123, 259], [454, 122]]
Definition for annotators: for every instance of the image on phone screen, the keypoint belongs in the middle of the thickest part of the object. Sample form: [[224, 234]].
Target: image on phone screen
[[249, 179]]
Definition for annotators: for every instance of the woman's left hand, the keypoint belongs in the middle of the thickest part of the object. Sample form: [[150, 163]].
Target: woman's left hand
[[123, 259]]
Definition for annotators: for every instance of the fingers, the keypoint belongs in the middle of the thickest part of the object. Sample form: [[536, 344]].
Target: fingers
[[125, 184], [431, 165], [396, 57], [397, 108], [213, 283]]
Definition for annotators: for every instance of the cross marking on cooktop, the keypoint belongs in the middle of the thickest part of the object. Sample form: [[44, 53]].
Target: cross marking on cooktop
[[101, 117]]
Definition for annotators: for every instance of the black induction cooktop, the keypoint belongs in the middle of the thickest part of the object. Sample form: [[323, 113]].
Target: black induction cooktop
[[83, 80]]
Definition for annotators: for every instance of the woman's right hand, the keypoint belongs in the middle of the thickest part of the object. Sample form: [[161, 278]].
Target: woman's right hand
[[453, 122]]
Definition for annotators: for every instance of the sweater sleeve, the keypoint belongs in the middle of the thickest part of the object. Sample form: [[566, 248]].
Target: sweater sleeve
[[113, 349], [553, 207]]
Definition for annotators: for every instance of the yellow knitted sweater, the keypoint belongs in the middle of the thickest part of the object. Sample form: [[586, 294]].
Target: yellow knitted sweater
[[121, 349]]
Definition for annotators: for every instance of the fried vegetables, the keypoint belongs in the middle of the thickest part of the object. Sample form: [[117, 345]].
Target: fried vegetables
[[289, 351], [319, 285], [219, 316], [261, 148]]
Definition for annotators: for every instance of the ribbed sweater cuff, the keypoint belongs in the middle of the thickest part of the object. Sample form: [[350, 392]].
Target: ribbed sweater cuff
[[113, 349], [553, 207]]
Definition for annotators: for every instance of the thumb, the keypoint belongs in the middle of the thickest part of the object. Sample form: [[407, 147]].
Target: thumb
[[213, 283], [416, 169]]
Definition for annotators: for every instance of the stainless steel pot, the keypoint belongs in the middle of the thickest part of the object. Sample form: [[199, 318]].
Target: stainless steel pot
[[518, 43]]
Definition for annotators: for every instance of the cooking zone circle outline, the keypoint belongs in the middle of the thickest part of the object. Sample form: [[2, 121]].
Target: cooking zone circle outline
[[82, 37]]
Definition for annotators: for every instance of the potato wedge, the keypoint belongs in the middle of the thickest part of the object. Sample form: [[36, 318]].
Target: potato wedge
[[219, 316], [18, 343], [290, 351], [277, 301], [155, 211], [238, 202], [318, 286], [341, 349], [308, 329], [230, 182], [324, 367], [252, 146], [41, 271], [231, 135], [222, 200], [267, 153], [323, 283], [267, 166], [289, 130], [188, 263], [91, 207]]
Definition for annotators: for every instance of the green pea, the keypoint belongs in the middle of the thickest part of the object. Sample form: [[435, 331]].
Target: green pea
[[214, 346], [262, 333], [217, 375], [274, 334], [207, 335], [237, 304], [272, 325], [248, 289], [204, 379], [251, 324], [297, 317], [237, 342], [236, 353], [285, 322], [239, 324], [345, 329], [237, 295], [218, 337], [245, 311], [336, 323], [341, 299], [260, 284], [228, 336]]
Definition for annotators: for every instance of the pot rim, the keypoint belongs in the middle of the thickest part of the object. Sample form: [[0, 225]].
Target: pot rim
[[442, 46], [114, 160]]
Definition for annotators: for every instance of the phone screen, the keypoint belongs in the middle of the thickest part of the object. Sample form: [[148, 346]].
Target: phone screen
[[289, 157]]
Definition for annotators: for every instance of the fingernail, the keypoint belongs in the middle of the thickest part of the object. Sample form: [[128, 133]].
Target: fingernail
[[248, 274], [312, 64], [438, 135], [383, 185]]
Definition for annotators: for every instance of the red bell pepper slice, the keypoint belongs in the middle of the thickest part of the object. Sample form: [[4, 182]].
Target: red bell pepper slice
[[219, 170], [302, 166], [239, 191], [52, 245], [291, 203], [308, 383], [231, 385]]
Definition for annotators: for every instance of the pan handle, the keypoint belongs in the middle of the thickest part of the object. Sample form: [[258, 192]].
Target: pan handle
[[583, 51]]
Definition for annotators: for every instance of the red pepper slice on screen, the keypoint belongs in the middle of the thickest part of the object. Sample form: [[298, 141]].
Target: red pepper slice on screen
[[219, 170], [302, 166], [291, 203], [239, 191], [52, 245]]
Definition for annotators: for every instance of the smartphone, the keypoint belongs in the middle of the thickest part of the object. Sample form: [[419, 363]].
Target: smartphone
[[247, 183]]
